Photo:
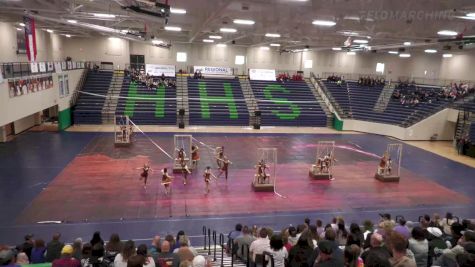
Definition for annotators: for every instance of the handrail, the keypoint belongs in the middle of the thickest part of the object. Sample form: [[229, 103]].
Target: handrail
[[209, 241], [270, 256], [231, 248], [204, 234], [214, 240], [248, 261], [79, 86], [221, 242], [332, 102]]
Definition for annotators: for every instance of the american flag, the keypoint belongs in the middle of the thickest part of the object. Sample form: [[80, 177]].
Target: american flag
[[30, 38]]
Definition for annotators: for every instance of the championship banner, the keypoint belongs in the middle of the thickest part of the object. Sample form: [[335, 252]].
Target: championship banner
[[19, 87], [206, 70], [158, 70], [57, 67], [34, 67], [50, 66], [262, 75], [30, 38], [42, 66]]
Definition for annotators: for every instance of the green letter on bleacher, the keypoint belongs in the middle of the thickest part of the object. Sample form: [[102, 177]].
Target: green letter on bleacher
[[134, 97], [227, 99], [295, 110]]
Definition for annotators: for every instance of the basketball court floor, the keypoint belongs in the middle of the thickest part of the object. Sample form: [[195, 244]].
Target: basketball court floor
[[77, 182]]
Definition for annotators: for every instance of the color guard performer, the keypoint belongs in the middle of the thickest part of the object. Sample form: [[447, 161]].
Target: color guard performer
[[185, 171], [181, 156], [224, 167], [219, 156], [166, 181], [144, 175], [383, 164], [262, 176], [207, 177], [195, 157]]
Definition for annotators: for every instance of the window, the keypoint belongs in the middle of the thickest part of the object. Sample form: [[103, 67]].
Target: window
[[181, 57], [380, 67], [308, 64], [240, 60]]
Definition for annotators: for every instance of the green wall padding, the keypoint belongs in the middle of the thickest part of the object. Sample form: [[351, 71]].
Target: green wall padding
[[337, 124], [64, 119]]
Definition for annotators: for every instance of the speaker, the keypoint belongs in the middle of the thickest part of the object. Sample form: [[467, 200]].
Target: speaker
[[181, 125], [402, 49], [257, 113], [181, 112], [257, 126]]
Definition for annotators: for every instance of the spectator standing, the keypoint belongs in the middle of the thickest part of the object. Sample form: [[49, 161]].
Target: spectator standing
[[127, 252], [402, 229], [113, 247], [7, 257], [243, 240], [302, 254], [419, 245], [38, 252], [26, 246], [143, 251], [154, 249], [53, 248], [376, 248], [185, 252], [326, 257], [96, 238], [278, 251], [77, 249]]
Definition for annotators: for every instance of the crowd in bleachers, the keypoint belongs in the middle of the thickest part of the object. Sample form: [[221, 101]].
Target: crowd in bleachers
[[369, 81], [285, 77], [197, 75], [151, 82], [396, 243]]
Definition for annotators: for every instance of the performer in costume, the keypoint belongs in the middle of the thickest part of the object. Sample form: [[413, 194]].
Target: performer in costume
[[261, 172], [219, 156], [224, 167], [181, 156], [207, 177], [383, 163], [124, 133], [185, 171], [166, 181], [195, 157], [144, 175], [328, 163]]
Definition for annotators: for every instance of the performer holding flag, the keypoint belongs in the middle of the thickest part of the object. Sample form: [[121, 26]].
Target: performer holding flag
[[166, 181], [144, 175], [208, 175]]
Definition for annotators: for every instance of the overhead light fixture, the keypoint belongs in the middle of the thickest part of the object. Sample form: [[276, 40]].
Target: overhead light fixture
[[430, 51], [208, 41], [50, 31], [407, 43], [360, 41], [104, 16], [221, 45], [244, 21], [227, 30], [18, 29], [274, 44], [326, 23], [447, 55], [336, 48], [471, 14], [157, 42], [447, 33], [351, 53], [172, 28], [393, 52], [215, 37], [265, 48], [114, 38], [68, 35], [177, 10], [273, 35], [72, 21], [305, 50], [22, 24], [405, 55]]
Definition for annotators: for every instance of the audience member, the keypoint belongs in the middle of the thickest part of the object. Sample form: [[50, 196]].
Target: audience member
[[135, 261], [243, 240], [259, 245], [293, 236], [77, 248], [402, 229], [399, 246], [185, 252], [22, 259], [341, 233], [166, 258], [447, 222], [448, 257], [113, 247], [7, 257], [154, 248], [233, 235], [200, 261], [302, 254], [38, 252], [66, 259], [26, 246], [53, 248], [419, 245], [278, 251], [320, 229], [352, 256], [326, 257], [376, 247], [128, 250], [142, 250]]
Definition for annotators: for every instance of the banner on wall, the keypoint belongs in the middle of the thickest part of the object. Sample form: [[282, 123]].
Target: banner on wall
[[206, 70], [30, 38], [50, 66], [70, 65], [66, 84], [19, 87], [42, 66], [63, 65], [262, 75], [158, 70], [34, 67], [60, 86], [57, 67]]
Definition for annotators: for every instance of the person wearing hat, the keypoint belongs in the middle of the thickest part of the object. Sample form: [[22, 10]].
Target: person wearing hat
[[325, 257], [435, 241], [7, 257], [66, 259]]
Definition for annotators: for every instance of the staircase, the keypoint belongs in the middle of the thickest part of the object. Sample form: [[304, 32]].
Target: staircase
[[112, 97], [249, 98], [339, 109], [384, 98], [321, 102], [217, 260], [182, 95], [464, 122]]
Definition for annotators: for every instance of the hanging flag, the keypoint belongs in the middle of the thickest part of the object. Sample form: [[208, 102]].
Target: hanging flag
[[30, 38]]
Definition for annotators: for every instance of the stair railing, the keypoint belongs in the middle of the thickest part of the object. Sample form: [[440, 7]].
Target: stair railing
[[214, 240], [221, 242], [205, 230], [79, 86]]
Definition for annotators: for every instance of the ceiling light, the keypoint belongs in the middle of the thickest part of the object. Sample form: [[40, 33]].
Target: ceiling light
[[360, 41], [157, 42], [68, 35], [177, 10], [447, 55], [50, 31], [208, 41], [215, 37], [114, 38], [273, 35], [393, 52], [336, 48], [404, 55], [305, 50], [22, 24], [466, 17], [274, 44], [430, 51], [447, 33], [172, 28], [221, 45], [265, 48], [351, 53], [18, 29], [105, 16], [407, 43], [327, 23], [244, 21], [72, 21], [227, 30]]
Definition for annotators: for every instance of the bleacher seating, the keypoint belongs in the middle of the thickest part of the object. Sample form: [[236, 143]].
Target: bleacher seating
[[160, 109], [472, 132], [288, 104], [216, 101], [88, 108]]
